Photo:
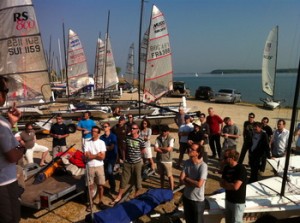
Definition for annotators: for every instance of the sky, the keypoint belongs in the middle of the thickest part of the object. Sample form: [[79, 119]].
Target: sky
[[204, 34]]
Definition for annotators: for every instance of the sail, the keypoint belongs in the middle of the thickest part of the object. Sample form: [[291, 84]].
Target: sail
[[99, 80], [129, 75], [22, 58], [269, 62], [111, 76], [159, 72], [78, 76]]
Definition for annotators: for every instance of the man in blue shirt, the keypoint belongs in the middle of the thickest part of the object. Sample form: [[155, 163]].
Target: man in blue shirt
[[110, 140], [85, 126]]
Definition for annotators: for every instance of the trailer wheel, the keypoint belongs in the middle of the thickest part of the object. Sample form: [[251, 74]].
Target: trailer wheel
[[72, 128]]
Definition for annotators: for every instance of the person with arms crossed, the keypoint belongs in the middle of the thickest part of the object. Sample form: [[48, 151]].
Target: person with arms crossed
[[164, 147], [279, 140], [145, 134], [94, 151], [10, 153], [194, 176], [234, 181]]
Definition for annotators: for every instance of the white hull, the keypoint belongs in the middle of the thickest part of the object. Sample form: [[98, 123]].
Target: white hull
[[96, 114], [263, 197], [153, 119], [269, 103]]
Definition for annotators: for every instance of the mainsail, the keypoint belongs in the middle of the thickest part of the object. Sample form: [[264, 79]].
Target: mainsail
[[111, 76], [129, 75], [22, 58], [99, 71], [269, 62], [158, 72], [78, 76]]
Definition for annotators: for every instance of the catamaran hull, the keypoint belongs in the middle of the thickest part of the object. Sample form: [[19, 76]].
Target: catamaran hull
[[270, 104]]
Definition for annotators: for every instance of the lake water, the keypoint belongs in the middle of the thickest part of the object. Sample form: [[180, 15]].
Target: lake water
[[248, 84]]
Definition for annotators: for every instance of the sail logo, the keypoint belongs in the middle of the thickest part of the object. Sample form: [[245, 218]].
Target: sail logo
[[159, 26], [23, 21], [75, 42]]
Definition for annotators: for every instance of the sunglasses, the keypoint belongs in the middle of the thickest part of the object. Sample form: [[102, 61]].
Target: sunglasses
[[105, 126], [130, 117], [134, 128]]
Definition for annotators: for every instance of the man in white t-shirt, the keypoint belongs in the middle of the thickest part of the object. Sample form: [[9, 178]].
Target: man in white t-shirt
[[95, 149]]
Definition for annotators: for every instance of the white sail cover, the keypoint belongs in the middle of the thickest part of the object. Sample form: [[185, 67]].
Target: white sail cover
[[22, 58], [99, 80], [159, 72], [111, 76], [78, 76], [269, 62], [129, 75]]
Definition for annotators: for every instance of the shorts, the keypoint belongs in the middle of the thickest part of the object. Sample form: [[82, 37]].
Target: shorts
[[58, 149], [148, 153], [165, 168], [132, 172], [96, 174]]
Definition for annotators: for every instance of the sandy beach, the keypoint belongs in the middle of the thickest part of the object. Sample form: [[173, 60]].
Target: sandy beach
[[74, 211]]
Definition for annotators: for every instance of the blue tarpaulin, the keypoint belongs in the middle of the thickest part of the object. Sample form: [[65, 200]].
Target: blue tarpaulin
[[133, 209]]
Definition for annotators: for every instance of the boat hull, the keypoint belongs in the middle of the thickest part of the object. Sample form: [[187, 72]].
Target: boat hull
[[270, 104]]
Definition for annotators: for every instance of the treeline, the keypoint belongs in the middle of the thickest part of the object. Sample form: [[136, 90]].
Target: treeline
[[238, 71]]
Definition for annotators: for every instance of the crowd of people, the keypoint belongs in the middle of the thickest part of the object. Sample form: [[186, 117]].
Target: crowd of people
[[128, 145]]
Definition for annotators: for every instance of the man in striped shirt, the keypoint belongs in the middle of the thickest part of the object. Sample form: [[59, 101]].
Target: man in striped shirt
[[133, 163]]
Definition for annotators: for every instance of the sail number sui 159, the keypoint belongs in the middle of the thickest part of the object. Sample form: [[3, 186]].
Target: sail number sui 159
[[18, 46]]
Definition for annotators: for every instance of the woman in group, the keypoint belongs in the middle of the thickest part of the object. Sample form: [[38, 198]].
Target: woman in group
[[145, 134]]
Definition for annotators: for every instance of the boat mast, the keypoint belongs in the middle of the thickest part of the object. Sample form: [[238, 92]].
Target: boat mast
[[105, 57], [60, 62], [292, 127], [66, 62], [96, 73], [276, 54], [140, 52]]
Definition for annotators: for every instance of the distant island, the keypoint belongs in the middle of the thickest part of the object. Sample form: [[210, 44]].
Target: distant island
[[238, 71]]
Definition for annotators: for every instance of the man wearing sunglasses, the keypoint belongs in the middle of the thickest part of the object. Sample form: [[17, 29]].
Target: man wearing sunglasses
[[132, 171], [10, 153]]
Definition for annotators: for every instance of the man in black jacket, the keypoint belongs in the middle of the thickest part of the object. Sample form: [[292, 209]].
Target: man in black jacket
[[259, 150]]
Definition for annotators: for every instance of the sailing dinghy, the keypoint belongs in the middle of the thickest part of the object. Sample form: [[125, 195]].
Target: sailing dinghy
[[269, 65], [22, 58], [158, 76]]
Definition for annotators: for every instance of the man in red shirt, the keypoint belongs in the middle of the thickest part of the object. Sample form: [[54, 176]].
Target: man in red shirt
[[215, 123]]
